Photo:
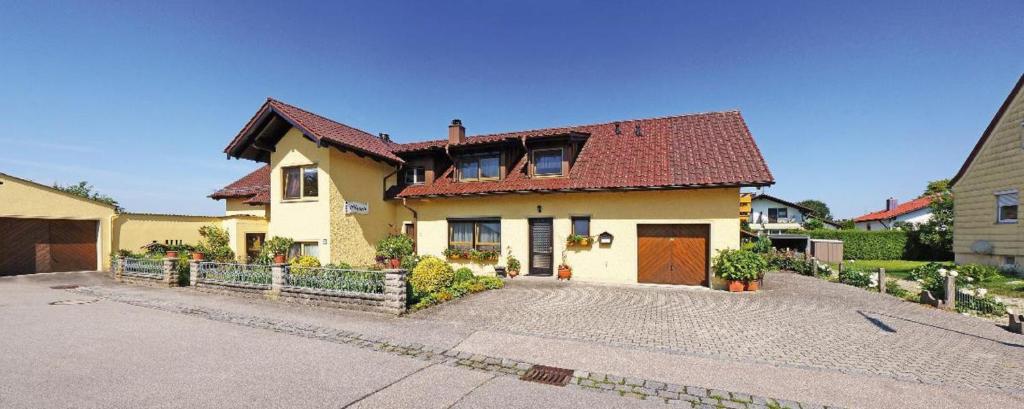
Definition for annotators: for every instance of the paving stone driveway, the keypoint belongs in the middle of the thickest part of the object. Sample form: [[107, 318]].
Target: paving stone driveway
[[796, 321]]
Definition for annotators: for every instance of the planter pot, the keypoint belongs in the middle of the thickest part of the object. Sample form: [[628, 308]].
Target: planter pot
[[584, 242], [172, 254], [454, 256], [279, 259], [564, 273], [395, 262], [753, 285], [735, 286], [512, 274], [197, 256]]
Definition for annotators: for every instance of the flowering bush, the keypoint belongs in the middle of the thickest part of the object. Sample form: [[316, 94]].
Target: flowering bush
[[858, 278], [979, 300]]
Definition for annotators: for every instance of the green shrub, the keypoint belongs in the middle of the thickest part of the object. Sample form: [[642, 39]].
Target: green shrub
[[762, 245], [893, 288], [491, 283], [979, 273], [216, 244], [431, 275], [867, 245], [409, 262], [513, 263], [394, 246], [303, 265], [858, 278], [276, 245], [464, 274], [739, 265], [339, 266]]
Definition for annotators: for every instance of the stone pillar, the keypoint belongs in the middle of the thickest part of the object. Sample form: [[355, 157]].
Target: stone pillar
[[950, 301], [171, 271], [119, 268], [842, 265], [881, 280], [193, 272], [277, 277], [814, 267], [395, 290]]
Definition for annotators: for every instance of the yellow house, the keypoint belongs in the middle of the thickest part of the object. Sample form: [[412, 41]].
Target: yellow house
[[986, 190], [643, 200], [43, 229]]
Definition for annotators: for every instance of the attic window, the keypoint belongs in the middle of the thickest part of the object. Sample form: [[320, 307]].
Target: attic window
[[480, 167], [415, 175], [547, 162]]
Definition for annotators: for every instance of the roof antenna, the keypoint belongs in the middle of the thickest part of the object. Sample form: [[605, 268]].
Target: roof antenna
[[618, 128], [637, 130]]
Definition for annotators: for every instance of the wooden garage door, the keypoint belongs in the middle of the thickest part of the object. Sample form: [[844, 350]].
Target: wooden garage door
[[672, 253], [42, 245]]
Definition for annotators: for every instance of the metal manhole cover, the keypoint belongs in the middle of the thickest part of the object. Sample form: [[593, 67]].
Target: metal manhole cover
[[548, 375], [65, 287], [74, 302]]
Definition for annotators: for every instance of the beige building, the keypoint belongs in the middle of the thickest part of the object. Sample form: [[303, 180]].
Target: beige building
[[655, 197], [43, 229], [987, 190]]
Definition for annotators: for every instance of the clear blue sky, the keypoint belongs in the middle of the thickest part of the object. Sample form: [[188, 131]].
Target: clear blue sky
[[850, 104]]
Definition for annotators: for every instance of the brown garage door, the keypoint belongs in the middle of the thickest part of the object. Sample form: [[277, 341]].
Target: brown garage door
[[44, 245], [672, 253]]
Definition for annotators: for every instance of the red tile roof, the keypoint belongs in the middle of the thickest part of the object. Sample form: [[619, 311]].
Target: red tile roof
[[683, 151], [320, 128], [916, 204], [253, 185], [696, 150]]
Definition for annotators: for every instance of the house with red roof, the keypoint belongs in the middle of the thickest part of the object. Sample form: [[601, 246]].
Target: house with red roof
[[916, 211], [653, 198]]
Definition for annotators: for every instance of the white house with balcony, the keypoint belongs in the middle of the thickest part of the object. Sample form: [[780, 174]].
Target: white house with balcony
[[772, 215]]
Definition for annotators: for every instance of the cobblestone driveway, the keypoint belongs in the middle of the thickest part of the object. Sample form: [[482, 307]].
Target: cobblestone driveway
[[797, 321]]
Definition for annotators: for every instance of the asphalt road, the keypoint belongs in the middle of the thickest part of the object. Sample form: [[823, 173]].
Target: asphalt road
[[102, 354]]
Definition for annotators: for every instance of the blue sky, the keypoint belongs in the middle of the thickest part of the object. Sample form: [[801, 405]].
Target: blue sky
[[849, 103]]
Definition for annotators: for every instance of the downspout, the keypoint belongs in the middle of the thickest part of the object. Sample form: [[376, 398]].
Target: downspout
[[455, 164], [415, 225]]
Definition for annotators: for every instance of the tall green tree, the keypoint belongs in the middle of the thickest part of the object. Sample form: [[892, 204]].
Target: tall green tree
[[84, 189], [936, 187], [817, 207]]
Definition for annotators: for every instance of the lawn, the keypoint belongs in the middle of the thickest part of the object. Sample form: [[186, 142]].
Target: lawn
[[1006, 286]]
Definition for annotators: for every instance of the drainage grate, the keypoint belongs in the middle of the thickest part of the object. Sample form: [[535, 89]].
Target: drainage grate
[[548, 375], [74, 302], [65, 287]]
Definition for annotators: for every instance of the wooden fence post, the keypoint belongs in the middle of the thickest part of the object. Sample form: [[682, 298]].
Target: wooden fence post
[[881, 280]]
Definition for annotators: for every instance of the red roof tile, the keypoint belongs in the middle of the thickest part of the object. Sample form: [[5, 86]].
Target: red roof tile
[[697, 150], [916, 204], [320, 128], [249, 185]]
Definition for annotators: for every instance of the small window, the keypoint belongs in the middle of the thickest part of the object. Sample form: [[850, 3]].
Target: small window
[[547, 162], [581, 225], [1006, 207], [415, 176], [304, 248], [484, 235], [1011, 260], [482, 167], [300, 182]]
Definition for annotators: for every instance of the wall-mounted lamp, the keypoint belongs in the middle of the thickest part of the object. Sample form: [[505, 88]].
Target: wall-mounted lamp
[[540, 208]]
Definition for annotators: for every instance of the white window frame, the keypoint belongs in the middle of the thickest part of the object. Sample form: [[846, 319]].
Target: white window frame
[[302, 183], [999, 219], [414, 173]]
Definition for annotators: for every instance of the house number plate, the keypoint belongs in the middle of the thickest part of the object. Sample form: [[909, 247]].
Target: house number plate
[[357, 208]]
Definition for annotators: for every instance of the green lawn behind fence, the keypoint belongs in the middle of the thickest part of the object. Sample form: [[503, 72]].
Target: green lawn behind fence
[[1006, 286]]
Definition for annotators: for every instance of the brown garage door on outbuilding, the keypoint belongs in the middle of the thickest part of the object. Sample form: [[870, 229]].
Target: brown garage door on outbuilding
[[672, 253], [46, 245]]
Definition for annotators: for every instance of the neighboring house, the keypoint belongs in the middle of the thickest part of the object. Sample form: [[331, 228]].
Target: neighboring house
[[43, 229], [661, 190], [987, 190], [773, 215], [916, 211], [745, 199]]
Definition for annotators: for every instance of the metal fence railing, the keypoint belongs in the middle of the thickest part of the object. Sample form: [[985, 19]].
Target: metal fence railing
[[234, 273], [144, 267], [967, 299], [335, 279]]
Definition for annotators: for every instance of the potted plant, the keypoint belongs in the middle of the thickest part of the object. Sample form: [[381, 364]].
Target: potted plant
[[513, 264], [739, 267], [452, 253], [578, 240], [393, 247], [564, 270], [279, 247], [172, 253], [198, 255]]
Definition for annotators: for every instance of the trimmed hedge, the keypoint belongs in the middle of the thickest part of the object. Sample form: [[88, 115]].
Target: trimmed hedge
[[867, 245]]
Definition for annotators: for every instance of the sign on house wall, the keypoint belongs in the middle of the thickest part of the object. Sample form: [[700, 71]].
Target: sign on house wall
[[356, 208]]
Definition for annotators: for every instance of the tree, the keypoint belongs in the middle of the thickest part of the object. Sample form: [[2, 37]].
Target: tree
[[84, 189], [818, 208], [814, 224], [936, 187]]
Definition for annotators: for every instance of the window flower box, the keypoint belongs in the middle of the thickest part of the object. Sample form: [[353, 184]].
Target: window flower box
[[577, 240]]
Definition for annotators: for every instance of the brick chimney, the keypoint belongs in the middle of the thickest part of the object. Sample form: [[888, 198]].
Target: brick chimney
[[891, 203], [456, 132]]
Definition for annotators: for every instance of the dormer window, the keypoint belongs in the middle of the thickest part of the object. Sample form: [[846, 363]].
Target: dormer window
[[480, 167], [547, 162], [415, 175]]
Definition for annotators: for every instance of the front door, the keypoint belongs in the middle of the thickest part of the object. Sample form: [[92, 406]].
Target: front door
[[541, 247], [254, 245]]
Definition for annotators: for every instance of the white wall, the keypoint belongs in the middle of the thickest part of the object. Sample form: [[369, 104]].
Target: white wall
[[759, 216], [917, 217]]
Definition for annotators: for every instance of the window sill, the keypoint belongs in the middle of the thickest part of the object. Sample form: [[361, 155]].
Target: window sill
[[303, 200], [1007, 222], [548, 176]]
